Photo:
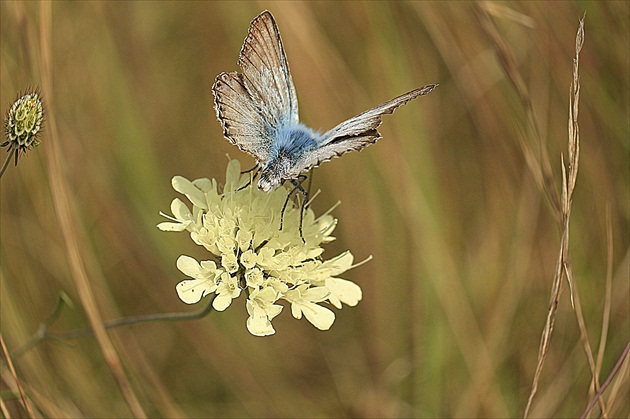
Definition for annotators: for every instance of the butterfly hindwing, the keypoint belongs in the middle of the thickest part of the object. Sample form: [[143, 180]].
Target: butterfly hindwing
[[242, 120], [355, 133]]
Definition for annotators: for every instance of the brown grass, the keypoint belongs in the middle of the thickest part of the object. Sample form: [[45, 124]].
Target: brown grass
[[466, 205], [563, 266]]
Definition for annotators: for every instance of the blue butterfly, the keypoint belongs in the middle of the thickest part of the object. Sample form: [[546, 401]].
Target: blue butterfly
[[258, 110]]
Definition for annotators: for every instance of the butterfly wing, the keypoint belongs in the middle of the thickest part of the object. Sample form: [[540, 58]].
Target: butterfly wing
[[242, 120], [266, 71], [252, 106], [355, 133]]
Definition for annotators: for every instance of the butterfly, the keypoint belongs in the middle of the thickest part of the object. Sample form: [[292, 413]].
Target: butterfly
[[258, 110]]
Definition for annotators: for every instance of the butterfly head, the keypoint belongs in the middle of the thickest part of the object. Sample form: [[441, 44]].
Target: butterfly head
[[267, 182], [276, 171]]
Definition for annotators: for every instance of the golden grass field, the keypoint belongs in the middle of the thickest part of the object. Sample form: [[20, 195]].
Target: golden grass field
[[460, 205]]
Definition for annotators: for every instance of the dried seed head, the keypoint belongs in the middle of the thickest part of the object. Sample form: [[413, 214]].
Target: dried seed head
[[23, 123]]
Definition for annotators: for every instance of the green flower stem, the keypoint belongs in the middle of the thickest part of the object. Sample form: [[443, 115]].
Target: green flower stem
[[43, 332], [6, 162]]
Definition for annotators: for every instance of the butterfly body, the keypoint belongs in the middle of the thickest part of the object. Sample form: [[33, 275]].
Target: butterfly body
[[292, 142], [258, 111]]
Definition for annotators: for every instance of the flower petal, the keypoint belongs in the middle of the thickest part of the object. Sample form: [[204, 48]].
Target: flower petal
[[340, 263], [232, 176], [186, 187], [191, 291], [169, 226], [188, 266], [221, 302], [320, 317], [316, 294], [180, 210], [343, 291], [260, 326]]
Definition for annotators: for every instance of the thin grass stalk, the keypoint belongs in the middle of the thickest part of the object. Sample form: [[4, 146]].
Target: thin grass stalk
[[25, 403], [4, 409], [618, 366], [608, 293], [574, 156], [563, 265], [620, 370], [66, 214], [534, 153], [551, 318]]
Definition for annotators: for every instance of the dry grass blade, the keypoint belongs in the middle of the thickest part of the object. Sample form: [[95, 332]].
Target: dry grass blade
[[574, 156], [620, 372], [4, 409], [534, 153], [454, 204], [25, 403], [608, 295], [551, 317], [66, 213], [502, 11], [618, 366], [563, 265]]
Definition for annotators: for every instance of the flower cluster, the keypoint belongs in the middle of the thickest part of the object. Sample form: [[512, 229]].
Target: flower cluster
[[239, 226], [23, 123]]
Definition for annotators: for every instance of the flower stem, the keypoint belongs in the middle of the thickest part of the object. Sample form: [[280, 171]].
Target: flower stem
[[6, 162], [44, 334]]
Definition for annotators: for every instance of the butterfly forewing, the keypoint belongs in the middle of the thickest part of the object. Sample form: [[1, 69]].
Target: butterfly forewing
[[355, 133], [266, 72]]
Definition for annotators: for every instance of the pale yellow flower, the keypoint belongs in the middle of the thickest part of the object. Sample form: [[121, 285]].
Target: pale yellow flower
[[239, 226]]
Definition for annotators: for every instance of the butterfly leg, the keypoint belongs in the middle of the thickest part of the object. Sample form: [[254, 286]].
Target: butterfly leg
[[251, 170], [305, 192], [257, 168], [297, 186], [286, 202]]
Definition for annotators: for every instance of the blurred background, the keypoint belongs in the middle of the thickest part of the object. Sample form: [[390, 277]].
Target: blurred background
[[464, 240]]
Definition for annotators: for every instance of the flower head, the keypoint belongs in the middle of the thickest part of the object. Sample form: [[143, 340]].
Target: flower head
[[23, 122], [240, 227]]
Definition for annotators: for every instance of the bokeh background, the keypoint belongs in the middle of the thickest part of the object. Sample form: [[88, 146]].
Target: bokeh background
[[463, 239]]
